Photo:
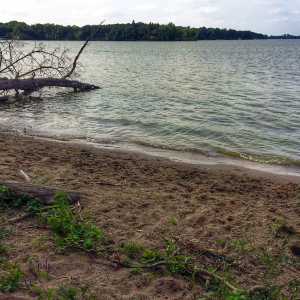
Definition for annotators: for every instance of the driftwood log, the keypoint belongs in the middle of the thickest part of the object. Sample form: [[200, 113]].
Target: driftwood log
[[45, 193], [33, 84]]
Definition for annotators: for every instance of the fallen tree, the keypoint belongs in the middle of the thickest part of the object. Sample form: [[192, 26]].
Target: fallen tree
[[37, 83], [52, 67]]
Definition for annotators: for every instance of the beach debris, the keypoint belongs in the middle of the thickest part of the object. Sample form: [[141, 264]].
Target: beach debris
[[17, 219], [45, 193], [35, 96], [24, 176]]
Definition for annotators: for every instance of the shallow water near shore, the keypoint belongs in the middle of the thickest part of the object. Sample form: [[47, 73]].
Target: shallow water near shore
[[231, 101]]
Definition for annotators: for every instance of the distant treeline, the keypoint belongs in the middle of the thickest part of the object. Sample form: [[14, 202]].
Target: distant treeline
[[122, 32], [284, 37]]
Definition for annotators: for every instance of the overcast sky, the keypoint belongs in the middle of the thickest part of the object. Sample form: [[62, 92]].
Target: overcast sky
[[262, 16]]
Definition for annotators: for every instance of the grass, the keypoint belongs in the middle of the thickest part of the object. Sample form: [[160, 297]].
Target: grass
[[279, 226], [173, 221]]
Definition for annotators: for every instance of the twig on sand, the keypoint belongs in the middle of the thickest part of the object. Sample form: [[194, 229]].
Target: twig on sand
[[17, 219], [211, 275], [78, 205]]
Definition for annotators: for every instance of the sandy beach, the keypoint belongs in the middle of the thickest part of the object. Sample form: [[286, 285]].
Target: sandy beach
[[133, 197]]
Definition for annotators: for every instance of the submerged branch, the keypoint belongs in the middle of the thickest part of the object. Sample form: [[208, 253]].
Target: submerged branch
[[37, 83]]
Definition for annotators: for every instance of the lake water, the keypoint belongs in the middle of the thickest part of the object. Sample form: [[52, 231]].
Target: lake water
[[209, 100]]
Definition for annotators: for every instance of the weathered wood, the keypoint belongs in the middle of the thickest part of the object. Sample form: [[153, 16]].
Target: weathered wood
[[33, 84], [45, 193]]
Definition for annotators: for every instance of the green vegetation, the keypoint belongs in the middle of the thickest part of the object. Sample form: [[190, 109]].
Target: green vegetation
[[173, 221], [70, 229], [7, 200], [3, 248], [281, 225], [122, 32], [9, 281]]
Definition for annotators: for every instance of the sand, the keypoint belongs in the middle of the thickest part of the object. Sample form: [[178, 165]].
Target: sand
[[132, 197]]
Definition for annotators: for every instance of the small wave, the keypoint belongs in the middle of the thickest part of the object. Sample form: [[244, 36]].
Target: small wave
[[275, 160], [164, 147]]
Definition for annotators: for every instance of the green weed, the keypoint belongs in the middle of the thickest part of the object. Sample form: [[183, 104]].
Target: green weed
[[3, 232], [239, 243], [176, 262], [9, 281], [131, 248], [294, 288], [67, 293], [136, 270], [291, 260], [40, 241], [173, 221], [126, 261], [4, 248], [70, 230], [7, 199], [271, 260], [209, 294], [237, 295], [34, 206], [281, 225], [149, 255], [70, 293]]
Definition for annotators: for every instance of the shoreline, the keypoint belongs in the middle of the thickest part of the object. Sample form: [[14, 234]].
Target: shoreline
[[235, 165]]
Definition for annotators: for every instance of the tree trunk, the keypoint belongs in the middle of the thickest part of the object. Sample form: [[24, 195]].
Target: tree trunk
[[45, 193], [36, 83]]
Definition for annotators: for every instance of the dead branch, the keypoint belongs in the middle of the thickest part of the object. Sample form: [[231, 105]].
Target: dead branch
[[80, 51], [17, 219], [214, 276]]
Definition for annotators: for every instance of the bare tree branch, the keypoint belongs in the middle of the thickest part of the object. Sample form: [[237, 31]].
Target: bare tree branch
[[80, 51]]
